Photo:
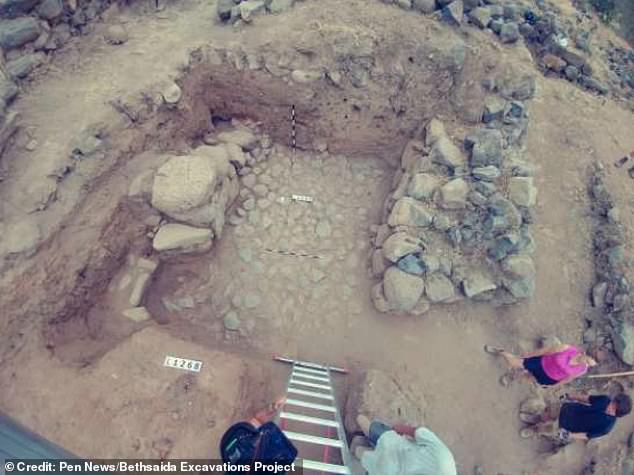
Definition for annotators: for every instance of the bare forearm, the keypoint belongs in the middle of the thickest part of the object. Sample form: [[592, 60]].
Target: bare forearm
[[578, 397], [404, 429]]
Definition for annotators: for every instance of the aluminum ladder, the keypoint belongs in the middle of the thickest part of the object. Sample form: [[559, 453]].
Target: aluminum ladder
[[311, 418]]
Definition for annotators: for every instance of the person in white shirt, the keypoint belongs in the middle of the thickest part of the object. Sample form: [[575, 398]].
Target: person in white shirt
[[404, 450]]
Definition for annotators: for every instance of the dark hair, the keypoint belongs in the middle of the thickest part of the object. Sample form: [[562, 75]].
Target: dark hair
[[623, 404]]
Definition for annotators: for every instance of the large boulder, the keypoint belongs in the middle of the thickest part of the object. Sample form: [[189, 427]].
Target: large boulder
[[398, 245], [181, 238], [453, 195], [377, 395], [439, 288], [402, 290], [410, 212], [196, 189], [18, 32]]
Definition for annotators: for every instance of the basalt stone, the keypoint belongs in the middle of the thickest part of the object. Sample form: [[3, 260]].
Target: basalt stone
[[453, 12], [453, 195], [15, 33], [594, 84], [454, 236], [504, 246], [411, 264], [400, 244], [485, 146], [476, 283], [501, 207], [521, 289], [402, 290], [496, 25], [572, 72], [486, 188], [478, 199], [424, 6], [480, 17], [15, 8], [410, 212], [487, 173], [494, 108], [439, 288], [509, 33]]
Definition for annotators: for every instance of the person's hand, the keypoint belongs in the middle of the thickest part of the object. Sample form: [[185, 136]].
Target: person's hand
[[267, 413]]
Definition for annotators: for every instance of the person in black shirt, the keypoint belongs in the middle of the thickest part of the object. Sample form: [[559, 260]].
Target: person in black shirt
[[583, 418]]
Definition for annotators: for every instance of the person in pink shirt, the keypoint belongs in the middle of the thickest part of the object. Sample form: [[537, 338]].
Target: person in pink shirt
[[552, 367]]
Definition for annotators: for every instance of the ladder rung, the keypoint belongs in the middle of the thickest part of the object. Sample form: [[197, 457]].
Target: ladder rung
[[309, 384], [310, 405], [313, 439], [310, 370], [324, 467], [311, 393], [297, 374], [291, 416]]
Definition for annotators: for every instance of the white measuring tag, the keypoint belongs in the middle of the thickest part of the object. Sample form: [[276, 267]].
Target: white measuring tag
[[183, 363], [307, 199]]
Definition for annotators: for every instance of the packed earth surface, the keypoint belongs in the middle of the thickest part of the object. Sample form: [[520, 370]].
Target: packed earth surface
[[385, 186]]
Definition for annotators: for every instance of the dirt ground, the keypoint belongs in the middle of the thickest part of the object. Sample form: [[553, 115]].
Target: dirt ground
[[311, 308]]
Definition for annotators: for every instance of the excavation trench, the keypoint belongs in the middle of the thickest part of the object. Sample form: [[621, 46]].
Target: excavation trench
[[286, 276], [93, 242]]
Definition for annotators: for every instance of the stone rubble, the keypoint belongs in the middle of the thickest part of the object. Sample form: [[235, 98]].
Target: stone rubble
[[457, 222], [611, 324], [562, 45]]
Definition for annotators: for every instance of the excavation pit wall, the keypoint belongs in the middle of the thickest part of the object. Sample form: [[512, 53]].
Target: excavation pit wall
[[60, 280]]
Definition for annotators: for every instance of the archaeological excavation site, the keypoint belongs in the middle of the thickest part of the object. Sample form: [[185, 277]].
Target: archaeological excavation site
[[209, 205]]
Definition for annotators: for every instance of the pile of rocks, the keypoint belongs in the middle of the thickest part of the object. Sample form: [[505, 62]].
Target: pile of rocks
[[613, 324], [546, 33], [505, 19], [457, 223], [245, 10], [194, 192]]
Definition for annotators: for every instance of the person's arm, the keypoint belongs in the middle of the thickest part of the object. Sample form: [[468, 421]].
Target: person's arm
[[563, 381], [546, 351], [578, 397], [404, 429], [579, 436], [267, 414]]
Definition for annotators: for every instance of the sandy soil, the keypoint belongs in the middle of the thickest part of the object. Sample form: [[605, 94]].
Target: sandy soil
[[318, 309]]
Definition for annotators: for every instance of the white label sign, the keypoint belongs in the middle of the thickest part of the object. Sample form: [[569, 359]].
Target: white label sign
[[305, 198], [183, 363]]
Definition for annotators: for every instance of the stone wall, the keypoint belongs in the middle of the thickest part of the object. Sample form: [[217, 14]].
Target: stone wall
[[457, 223], [611, 324], [562, 46]]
